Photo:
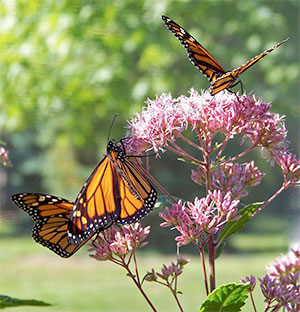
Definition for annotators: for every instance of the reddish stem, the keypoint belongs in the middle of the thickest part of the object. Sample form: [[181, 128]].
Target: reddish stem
[[146, 173], [252, 300], [283, 187], [211, 260], [176, 298], [138, 286], [190, 142], [210, 242], [201, 251], [180, 152], [224, 143]]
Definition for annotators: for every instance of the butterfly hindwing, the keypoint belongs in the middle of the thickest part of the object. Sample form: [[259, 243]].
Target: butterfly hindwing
[[115, 192], [138, 196], [51, 217], [206, 63]]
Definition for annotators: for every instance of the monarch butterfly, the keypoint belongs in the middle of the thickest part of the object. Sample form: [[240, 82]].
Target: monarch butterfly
[[51, 217], [115, 192], [206, 63]]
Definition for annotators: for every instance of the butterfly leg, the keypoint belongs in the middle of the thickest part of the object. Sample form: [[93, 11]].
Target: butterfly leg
[[93, 241], [242, 90], [239, 82]]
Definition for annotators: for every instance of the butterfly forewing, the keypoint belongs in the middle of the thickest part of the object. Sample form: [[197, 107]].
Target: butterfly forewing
[[95, 206], [255, 59], [198, 55], [225, 81], [51, 218]]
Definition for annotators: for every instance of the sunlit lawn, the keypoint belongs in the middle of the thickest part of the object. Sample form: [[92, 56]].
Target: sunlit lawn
[[29, 271]]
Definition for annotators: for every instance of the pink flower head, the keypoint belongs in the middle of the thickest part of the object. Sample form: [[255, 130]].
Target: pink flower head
[[167, 272], [251, 280], [282, 281], [199, 176], [202, 217], [285, 264], [165, 118], [175, 216], [158, 123], [113, 242], [235, 178], [286, 291], [289, 165]]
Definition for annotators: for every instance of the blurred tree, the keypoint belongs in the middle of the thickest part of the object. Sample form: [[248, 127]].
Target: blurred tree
[[66, 67]]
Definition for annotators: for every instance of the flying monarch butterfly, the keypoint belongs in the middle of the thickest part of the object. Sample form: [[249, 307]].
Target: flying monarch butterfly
[[51, 217], [206, 63], [115, 192]]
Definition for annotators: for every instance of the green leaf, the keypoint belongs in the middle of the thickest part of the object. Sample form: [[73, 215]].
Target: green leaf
[[220, 248], [226, 298], [6, 301], [189, 161], [234, 226]]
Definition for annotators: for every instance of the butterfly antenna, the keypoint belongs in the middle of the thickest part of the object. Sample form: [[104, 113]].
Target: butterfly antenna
[[111, 125]]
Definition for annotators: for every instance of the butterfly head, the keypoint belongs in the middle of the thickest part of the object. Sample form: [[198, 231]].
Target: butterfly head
[[117, 148]]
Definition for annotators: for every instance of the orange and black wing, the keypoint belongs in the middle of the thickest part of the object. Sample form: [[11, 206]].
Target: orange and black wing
[[138, 196], [51, 218], [226, 80], [110, 195], [206, 63], [198, 55]]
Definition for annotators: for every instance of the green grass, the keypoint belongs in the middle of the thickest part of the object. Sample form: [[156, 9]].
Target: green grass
[[29, 271]]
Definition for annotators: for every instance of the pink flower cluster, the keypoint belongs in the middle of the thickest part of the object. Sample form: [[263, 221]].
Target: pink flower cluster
[[167, 272], [230, 178], [289, 164], [285, 264], [114, 242], [284, 292], [251, 280], [165, 118], [281, 286], [205, 216]]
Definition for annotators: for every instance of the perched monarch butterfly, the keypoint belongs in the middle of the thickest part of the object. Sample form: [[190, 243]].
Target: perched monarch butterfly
[[51, 217], [115, 192], [206, 63]]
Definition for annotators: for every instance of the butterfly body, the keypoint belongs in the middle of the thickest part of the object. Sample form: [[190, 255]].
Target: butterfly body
[[115, 192], [207, 64], [51, 217]]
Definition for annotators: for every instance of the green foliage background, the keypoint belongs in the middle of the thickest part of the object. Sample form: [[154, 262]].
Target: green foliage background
[[66, 67]]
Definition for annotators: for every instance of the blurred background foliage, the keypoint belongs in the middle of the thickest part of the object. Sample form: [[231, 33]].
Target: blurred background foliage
[[66, 67]]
